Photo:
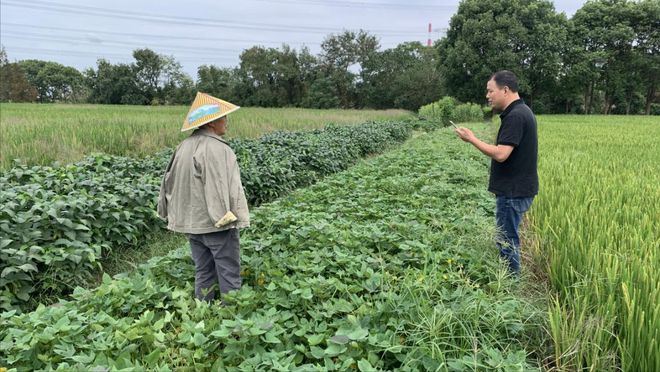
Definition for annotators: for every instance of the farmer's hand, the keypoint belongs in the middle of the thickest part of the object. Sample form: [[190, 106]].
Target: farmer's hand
[[465, 134]]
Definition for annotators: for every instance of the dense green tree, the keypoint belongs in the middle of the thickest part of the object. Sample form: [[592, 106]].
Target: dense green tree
[[606, 33], [621, 44], [177, 87], [288, 75], [570, 94], [54, 82], [343, 58], [485, 36], [148, 68], [217, 81], [258, 78], [179, 91], [322, 94], [114, 84], [403, 77], [152, 79], [14, 87], [270, 77], [309, 70], [647, 46]]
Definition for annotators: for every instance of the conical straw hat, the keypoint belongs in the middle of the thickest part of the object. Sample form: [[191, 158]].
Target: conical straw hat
[[205, 109]]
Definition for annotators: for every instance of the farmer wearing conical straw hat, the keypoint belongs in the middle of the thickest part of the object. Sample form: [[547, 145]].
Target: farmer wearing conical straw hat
[[201, 195]]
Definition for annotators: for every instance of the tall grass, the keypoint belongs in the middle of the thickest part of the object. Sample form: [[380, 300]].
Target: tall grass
[[41, 134], [597, 219]]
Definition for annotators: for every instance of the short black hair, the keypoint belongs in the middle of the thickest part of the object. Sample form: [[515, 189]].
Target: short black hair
[[506, 78]]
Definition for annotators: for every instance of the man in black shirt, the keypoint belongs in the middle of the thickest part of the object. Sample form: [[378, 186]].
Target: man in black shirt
[[513, 175]]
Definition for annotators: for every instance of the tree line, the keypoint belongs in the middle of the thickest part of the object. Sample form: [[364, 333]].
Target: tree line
[[604, 59]]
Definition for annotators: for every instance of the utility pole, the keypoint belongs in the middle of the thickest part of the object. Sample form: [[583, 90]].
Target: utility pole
[[438, 31], [428, 42]]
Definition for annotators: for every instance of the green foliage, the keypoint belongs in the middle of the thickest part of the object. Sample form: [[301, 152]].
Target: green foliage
[[57, 221], [620, 42], [282, 161], [486, 36], [54, 82], [407, 77], [217, 81], [387, 266], [340, 52], [449, 108], [151, 80], [113, 84], [321, 94], [441, 110], [468, 112], [272, 77], [14, 87]]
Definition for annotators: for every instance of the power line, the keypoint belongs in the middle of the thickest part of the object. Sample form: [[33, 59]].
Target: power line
[[60, 52], [89, 36], [103, 55], [192, 21], [69, 40], [160, 36], [355, 4]]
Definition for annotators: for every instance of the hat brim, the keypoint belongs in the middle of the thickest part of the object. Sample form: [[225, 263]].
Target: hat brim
[[204, 109], [211, 118]]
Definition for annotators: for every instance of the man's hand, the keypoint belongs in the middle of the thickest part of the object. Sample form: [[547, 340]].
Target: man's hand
[[499, 153], [465, 134]]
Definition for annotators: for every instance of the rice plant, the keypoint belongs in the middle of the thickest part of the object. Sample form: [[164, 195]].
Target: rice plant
[[40, 134], [597, 219]]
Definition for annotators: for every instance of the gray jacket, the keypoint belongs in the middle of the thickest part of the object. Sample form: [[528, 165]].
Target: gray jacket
[[202, 184]]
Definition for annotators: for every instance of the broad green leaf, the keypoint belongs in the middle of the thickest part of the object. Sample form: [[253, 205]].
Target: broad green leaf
[[270, 338], [358, 334], [199, 339], [317, 352], [5, 242], [153, 357], [315, 339], [365, 366], [28, 267], [340, 339]]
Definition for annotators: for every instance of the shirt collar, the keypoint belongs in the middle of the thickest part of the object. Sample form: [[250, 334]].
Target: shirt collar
[[510, 107], [209, 133]]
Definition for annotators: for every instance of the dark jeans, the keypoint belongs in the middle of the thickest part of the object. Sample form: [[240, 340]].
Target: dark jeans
[[217, 262], [508, 214]]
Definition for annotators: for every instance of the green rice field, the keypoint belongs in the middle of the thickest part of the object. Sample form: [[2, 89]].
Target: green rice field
[[596, 223], [40, 134]]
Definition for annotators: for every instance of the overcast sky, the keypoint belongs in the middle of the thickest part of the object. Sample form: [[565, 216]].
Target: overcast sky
[[197, 32]]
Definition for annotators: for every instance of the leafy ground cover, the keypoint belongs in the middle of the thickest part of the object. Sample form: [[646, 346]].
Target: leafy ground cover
[[388, 265], [57, 221]]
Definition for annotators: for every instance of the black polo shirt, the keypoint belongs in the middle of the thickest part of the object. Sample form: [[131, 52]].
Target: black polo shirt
[[517, 176]]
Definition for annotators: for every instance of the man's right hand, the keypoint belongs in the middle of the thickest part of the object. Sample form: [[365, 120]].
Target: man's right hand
[[465, 134]]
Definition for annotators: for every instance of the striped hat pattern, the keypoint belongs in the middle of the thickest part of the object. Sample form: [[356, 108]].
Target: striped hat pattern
[[205, 109]]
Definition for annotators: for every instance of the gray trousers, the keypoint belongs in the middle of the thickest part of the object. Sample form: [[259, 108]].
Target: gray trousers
[[217, 262]]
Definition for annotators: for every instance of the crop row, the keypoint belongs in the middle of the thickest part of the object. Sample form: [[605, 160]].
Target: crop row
[[389, 266], [56, 222]]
